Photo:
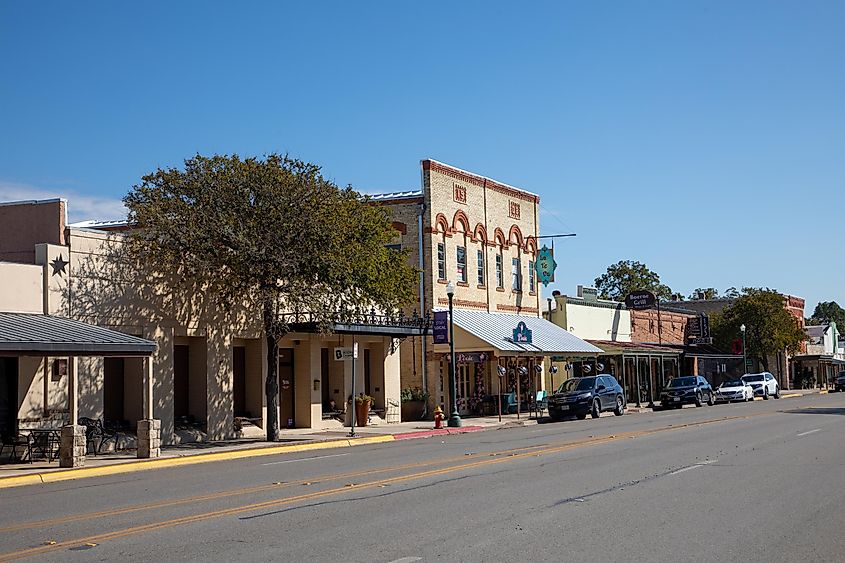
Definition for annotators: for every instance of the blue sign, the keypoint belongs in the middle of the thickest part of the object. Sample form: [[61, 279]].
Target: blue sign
[[441, 327], [521, 334], [545, 265]]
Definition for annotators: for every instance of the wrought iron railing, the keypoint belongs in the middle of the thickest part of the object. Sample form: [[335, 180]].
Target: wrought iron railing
[[362, 318]]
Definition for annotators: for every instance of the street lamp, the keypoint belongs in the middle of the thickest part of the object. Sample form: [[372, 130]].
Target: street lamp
[[744, 357], [454, 418]]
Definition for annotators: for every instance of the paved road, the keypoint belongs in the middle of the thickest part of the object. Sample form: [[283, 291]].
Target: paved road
[[752, 482]]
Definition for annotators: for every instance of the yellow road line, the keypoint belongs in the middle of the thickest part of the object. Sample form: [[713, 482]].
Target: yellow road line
[[160, 463], [340, 490], [236, 492]]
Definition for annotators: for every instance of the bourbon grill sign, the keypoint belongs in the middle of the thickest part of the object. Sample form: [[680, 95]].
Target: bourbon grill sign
[[638, 300]]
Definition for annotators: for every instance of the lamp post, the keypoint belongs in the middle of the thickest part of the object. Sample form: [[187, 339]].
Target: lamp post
[[454, 418], [744, 357]]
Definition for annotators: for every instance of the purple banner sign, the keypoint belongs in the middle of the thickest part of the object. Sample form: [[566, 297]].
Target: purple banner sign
[[441, 327]]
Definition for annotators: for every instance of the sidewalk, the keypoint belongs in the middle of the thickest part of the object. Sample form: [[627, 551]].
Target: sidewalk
[[292, 441]]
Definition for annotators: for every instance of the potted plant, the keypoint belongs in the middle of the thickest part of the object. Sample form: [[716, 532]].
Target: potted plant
[[414, 401], [362, 408]]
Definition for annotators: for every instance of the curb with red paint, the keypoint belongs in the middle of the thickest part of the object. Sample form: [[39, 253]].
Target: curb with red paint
[[438, 432]]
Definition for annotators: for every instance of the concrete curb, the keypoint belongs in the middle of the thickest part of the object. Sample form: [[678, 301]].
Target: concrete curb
[[162, 463]]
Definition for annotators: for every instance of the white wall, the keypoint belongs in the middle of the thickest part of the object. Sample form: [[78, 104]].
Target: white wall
[[20, 288], [598, 323]]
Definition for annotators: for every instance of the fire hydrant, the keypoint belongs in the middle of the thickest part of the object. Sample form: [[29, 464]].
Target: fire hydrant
[[438, 417]]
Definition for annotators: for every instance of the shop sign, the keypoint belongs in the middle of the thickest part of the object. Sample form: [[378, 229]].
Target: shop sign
[[694, 327], [702, 340], [638, 300], [441, 327], [521, 334], [545, 265], [469, 357], [346, 352]]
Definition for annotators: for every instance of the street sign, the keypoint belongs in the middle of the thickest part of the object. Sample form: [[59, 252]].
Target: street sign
[[749, 362], [702, 340], [346, 352], [521, 333], [545, 265], [638, 300]]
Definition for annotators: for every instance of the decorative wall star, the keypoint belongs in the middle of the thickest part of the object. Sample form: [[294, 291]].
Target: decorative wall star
[[59, 265]]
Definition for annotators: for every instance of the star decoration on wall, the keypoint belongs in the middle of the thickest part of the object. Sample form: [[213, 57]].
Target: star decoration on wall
[[59, 265]]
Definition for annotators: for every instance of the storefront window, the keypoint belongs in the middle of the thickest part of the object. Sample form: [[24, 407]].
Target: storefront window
[[480, 271], [462, 263], [441, 261]]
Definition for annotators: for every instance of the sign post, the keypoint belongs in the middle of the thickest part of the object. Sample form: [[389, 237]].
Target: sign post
[[343, 354]]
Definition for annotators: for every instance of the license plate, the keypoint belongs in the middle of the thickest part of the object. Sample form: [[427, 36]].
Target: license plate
[[676, 399], [564, 407]]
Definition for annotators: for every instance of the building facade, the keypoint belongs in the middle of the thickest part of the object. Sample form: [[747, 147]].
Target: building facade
[[481, 235], [210, 365]]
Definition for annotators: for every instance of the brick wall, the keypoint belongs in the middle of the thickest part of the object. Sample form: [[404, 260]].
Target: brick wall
[[644, 326]]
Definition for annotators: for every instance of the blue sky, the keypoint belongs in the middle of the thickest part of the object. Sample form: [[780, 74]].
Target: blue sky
[[706, 139]]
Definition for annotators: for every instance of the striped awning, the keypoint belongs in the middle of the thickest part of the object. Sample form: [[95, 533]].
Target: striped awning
[[497, 330]]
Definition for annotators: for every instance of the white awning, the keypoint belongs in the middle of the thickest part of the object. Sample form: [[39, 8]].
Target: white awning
[[497, 330]]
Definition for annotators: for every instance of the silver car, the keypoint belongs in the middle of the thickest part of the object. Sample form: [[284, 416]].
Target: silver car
[[734, 390]]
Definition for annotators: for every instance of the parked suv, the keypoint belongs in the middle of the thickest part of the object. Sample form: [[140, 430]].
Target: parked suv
[[764, 384], [690, 390], [839, 382], [587, 395]]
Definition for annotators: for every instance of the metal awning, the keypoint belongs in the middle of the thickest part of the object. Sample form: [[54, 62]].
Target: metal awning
[[497, 330], [818, 358], [617, 348], [28, 334]]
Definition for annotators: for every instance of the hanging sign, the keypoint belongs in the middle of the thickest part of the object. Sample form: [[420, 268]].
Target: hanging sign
[[545, 265], [441, 327], [346, 352], [522, 334], [638, 300]]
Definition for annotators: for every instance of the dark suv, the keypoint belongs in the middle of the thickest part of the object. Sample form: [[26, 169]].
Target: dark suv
[[839, 382], [688, 390], [587, 395]]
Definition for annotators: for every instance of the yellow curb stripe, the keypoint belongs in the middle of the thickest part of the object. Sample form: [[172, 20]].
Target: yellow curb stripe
[[161, 463], [823, 392], [790, 395]]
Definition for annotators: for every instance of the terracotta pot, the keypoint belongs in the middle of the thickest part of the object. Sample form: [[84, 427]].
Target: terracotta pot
[[361, 412]]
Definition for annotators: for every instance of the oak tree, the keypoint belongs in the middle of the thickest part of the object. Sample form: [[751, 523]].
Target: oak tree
[[267, 235], [627, 276]]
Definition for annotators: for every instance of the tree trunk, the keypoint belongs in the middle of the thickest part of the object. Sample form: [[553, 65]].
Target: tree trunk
[[271, 385]]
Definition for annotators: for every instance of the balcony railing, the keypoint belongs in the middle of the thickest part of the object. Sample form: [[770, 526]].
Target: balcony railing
[[363, 320]]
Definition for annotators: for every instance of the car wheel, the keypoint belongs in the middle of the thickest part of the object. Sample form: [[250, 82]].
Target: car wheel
[[777, 392], [620, 406], [710, 400], [595, 412], [765, 393], [698, 402]]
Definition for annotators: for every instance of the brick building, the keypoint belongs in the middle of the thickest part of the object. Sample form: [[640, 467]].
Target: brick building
[[481, 235]]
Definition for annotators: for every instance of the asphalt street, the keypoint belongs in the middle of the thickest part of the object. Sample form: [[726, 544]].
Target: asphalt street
[[758, 481]]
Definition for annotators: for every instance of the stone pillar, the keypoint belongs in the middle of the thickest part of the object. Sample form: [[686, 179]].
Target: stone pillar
[[72, 446], [149, 438]]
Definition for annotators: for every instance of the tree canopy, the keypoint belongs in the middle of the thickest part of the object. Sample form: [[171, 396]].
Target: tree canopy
[[828, 311], [271, 234], [627, 276], [769, 327]]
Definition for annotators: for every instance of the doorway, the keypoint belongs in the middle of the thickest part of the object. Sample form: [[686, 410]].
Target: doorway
[[8, 396], [239, 381], [113, 389], [181, 374], [287, 389]]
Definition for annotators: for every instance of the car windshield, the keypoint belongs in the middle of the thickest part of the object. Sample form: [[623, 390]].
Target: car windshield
[[577, 384], [754, 377], [732, 383], [682, 382]]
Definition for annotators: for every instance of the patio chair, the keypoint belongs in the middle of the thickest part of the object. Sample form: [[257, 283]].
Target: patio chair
[[13, 443], [93, 434]]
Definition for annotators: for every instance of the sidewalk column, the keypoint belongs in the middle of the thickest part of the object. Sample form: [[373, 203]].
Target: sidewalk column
[[149, 429], [72, 443]]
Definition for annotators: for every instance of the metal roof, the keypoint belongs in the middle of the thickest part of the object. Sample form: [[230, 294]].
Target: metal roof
[[497, 330], [28, 334]]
